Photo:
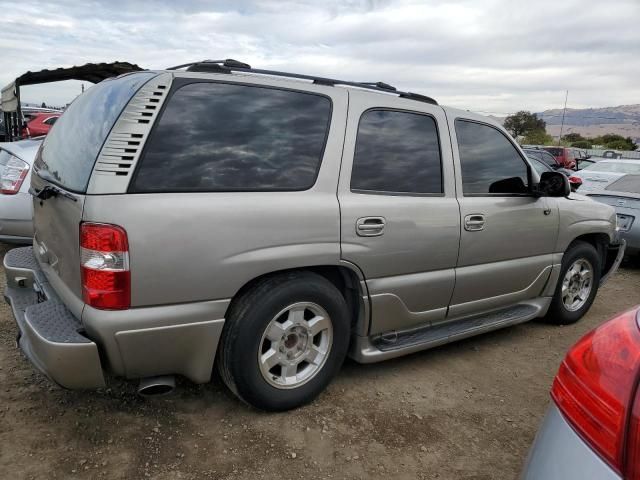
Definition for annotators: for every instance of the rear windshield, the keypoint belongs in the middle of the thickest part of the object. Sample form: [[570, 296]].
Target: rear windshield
[[628, 183], [554, 151], [615, 167], [72, 146]]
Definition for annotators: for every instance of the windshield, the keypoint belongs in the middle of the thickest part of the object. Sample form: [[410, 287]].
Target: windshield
[[614, 167], [72, 146]]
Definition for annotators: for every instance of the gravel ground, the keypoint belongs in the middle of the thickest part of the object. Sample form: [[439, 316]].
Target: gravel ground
[[468, 410]]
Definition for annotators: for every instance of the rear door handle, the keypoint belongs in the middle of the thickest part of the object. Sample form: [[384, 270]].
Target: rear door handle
[[370, 226], [474, 222]]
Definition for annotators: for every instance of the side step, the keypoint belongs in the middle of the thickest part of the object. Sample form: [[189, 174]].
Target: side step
[[395, 344]]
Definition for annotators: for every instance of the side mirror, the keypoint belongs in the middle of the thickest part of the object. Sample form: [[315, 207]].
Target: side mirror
[[553, 184]]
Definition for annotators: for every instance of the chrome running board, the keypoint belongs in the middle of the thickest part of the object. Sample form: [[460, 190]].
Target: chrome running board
[[397, 343]]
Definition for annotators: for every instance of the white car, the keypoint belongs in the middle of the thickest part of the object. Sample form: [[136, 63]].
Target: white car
[[598, 175], [16, 208]]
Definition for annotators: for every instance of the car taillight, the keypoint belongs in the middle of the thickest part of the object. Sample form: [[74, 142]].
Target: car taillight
[[104, 258], [13, 174], [576, 180], [596, 385]]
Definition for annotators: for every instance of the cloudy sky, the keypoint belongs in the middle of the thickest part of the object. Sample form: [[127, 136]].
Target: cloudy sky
[[493, 56]]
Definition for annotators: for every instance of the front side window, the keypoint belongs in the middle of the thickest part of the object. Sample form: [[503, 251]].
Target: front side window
[[397, 152], [218, 137], [489, 161]]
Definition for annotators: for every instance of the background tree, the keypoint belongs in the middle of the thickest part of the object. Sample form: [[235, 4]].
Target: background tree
[[582, 144], [523, 122], [615, 142], [537, 137], [573, 137]]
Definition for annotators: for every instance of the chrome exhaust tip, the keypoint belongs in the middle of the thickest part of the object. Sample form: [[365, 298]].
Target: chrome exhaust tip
[[157, 386]]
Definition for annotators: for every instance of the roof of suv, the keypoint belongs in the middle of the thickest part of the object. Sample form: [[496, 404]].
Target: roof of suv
[[229, 65]]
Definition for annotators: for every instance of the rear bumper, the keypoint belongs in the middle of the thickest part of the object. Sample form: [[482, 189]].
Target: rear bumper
[[558, 453], [49, 335], [134, 343]]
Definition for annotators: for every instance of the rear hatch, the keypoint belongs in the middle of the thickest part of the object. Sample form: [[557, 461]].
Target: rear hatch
[[62, 170]]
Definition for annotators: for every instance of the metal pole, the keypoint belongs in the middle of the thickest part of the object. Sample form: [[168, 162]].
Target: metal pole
[[563, 112]]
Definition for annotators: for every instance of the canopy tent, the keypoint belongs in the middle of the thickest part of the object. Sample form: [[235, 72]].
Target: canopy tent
[[90, 72]]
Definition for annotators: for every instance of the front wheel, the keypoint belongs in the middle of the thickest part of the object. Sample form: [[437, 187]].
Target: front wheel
[[284, 340], [577, 286]]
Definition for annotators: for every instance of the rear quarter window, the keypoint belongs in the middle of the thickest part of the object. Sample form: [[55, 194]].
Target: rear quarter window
[[218, 137]]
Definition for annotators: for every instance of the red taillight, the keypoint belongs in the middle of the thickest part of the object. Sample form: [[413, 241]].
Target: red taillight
[[575, 180], [13, 174], [104, 259], [596, 384]]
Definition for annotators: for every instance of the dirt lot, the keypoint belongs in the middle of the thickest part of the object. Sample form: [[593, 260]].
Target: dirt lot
[[464, 411]]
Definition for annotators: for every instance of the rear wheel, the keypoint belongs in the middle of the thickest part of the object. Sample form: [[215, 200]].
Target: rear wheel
[[284, 340], [577, 286]]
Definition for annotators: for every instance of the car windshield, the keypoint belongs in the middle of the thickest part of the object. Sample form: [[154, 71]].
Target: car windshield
[[615, 167]]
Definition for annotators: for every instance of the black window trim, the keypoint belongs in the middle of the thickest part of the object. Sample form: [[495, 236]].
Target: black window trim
[[514, 145], [362, 191], [181, 82]]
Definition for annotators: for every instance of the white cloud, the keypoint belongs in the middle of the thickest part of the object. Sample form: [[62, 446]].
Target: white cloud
[[488, 55]]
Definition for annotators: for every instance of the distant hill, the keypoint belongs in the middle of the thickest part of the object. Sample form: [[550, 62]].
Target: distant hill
[[591, 122]]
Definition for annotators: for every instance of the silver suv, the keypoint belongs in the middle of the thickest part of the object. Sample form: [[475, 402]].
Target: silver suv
[[272, 223]]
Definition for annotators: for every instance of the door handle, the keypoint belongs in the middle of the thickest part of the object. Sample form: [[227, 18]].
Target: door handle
[[370, 226], [474, 222]]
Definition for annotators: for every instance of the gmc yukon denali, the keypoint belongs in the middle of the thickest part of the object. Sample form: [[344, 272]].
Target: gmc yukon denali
[[269, 224]]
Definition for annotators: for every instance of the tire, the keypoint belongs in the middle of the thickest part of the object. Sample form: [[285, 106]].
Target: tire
[[276, 302], [580, 255]]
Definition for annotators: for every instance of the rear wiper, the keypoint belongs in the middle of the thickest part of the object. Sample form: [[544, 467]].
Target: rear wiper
[[49, 191]]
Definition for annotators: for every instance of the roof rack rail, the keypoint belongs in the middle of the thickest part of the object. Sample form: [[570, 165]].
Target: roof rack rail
[[230, 65]]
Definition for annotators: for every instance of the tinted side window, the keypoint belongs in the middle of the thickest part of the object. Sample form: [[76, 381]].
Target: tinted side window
[[397, 152], [490, 163], [224, 137]]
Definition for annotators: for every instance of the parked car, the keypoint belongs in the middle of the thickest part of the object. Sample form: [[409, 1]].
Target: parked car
[[543, 156], [600, 174], [624, 195], [541, 166], [275, 222], [39, 124], [610, 154], [565, 156], [16, 209], [592, 428]]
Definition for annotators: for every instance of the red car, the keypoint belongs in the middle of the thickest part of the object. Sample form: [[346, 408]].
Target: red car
[[39, 124], [564, 156]]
